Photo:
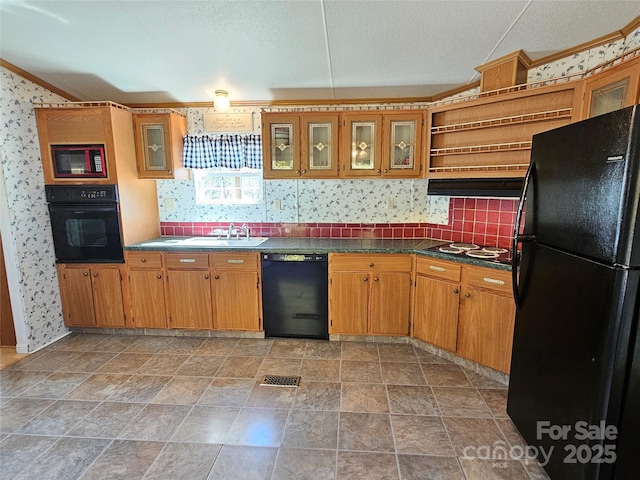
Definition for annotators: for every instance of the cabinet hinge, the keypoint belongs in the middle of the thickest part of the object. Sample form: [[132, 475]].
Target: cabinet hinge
[[330, 281], [423, 122]]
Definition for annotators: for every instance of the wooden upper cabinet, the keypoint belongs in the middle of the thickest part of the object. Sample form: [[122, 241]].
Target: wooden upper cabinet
[[159, 145], [78, 126], [281, 145], [505, 71], [614, 88], [402, 144], [348, 144], [361, 145], [302, 145], [320, 145]]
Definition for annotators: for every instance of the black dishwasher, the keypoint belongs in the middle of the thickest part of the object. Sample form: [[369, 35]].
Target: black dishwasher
[[295, 295]]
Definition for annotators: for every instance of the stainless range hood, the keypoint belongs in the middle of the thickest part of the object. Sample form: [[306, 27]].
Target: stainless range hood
[[476, 187]]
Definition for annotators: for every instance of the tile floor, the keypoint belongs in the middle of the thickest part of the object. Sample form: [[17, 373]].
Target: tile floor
[[130, 407]]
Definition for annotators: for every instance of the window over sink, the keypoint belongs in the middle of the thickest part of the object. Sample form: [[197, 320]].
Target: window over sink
[[227, 186]]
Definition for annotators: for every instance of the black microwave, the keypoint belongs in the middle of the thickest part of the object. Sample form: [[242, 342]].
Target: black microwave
[[70, 161]]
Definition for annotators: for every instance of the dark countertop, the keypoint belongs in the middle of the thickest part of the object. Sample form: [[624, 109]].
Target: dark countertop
[[323, 245]]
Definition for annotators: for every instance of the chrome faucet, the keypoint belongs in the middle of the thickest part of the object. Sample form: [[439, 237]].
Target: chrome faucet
[[230, 230], [245, 228]]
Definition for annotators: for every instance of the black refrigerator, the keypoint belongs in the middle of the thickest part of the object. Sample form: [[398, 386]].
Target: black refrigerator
[[574, 386]]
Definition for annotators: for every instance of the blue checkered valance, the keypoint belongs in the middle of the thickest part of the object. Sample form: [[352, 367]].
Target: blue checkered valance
[[228, 151]]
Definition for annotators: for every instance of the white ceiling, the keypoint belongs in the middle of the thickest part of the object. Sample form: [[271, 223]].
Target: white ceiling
[[181, 51]]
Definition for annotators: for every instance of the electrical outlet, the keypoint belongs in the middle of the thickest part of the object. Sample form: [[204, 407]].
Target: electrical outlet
[[277, 204], [390, 202], [170, 203]]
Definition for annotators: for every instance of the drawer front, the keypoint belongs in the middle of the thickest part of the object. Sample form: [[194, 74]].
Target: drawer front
[[438, 269], [235, 261], [144, 259], [187, 261], [490, 278], [387, 263]]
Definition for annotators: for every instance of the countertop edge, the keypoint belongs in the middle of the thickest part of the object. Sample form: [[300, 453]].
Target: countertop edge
[[279, 245]]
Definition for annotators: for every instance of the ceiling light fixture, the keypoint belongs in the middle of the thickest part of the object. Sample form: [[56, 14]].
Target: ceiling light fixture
[[221, 100]]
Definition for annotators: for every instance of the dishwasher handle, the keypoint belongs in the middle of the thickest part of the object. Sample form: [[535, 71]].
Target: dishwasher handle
[[294, 257]]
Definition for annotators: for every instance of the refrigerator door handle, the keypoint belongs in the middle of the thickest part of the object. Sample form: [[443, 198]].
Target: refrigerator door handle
[[517, 238]]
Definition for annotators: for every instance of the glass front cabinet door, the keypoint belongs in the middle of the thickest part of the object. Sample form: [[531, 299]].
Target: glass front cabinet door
[[320, 145], [613, 89], [363, 146], [159, 145], [280, 145], [402, 144]]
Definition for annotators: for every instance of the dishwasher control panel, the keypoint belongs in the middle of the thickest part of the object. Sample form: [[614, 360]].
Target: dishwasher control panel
[[295, 257]]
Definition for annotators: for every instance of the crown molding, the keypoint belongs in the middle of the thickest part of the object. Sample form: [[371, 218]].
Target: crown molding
[[37, 80]]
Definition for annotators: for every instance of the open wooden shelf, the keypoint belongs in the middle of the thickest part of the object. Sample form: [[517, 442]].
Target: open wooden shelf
[[511, 120]]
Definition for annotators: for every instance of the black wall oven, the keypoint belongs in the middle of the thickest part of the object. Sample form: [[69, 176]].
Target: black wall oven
[[85, 221]]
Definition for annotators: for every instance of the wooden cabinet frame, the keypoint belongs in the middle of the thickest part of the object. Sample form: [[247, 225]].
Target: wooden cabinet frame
[[174, 128], [476, 313], [92, 295], [370, 294]]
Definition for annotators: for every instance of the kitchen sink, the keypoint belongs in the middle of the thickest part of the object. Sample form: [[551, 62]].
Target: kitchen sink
[[223, 242]]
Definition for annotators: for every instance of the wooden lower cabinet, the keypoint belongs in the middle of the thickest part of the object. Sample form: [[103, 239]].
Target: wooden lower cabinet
[[146, 289], [349, 302], [485, 332], [91, 295], [189, 286], [194, 290], [436, 312], [465, 309], [369, 294], [237, 298]]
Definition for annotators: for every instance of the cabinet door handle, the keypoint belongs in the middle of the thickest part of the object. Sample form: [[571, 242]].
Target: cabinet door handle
[[298, 171], [375, 279], [385, 170], [206, 277], [378, 171], [143, 260], [95, 274], [365, 279], [467, 295], [217, 277], [371, 264], [304, 170], [456, 291], [86, 274], [158, 277]]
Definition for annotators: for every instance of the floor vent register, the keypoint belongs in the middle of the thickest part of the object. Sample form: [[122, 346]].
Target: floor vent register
[[279, 381]]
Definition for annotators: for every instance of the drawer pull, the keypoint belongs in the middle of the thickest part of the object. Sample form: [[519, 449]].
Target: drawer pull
[[231, 260], [143, 260], [187, 260], [371, 264], [158, 277], [437, 269], [493, 280]]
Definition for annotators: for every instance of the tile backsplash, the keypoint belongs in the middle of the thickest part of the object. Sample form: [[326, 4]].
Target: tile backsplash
[[486, 222]]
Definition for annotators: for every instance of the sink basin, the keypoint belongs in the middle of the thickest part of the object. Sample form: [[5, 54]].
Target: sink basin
[[223, 242]]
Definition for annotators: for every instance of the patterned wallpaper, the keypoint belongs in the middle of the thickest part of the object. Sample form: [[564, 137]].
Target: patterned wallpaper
[[582, 61], [29, 227]]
